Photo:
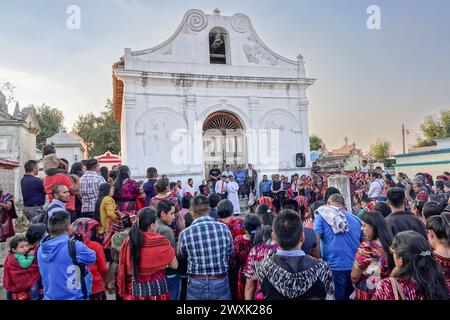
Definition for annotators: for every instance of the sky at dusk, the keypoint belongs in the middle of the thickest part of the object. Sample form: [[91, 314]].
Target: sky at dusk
[[369, 82]]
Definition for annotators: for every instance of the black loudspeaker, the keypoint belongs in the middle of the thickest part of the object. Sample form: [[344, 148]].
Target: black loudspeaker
[[300, 160]]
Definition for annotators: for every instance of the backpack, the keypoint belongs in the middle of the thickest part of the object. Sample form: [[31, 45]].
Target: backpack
[[42, 217], [85, 274]]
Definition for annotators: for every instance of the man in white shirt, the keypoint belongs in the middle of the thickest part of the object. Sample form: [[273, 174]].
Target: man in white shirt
[[228, 172], [189, 189], [221, 187], [376, 186]]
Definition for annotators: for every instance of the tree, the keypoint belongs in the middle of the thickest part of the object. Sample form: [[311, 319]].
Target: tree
[[100, 133], [8, 90], [381, 150], [50, 120], [315, 142], [434, 127]]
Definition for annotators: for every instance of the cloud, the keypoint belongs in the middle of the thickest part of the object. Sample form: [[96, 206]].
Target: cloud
[[37, 88]]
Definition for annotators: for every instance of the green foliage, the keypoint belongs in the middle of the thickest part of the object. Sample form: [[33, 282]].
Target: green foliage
[[315, 142], [100, 133], [434, 127], [424, 143], [50, 120], [381, 150]]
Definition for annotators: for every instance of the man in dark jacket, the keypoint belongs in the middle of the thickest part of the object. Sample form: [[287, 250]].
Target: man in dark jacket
[[400, 220]]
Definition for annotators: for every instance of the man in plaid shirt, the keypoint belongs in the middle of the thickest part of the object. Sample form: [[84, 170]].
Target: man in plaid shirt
[[89, 185], [208, 246]]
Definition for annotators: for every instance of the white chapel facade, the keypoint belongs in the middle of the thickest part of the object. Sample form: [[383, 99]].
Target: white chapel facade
[[212, 93]]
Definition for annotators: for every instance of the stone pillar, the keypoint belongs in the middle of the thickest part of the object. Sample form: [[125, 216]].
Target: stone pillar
[[304, 121], [195, 145], [252, 135], [129, 147], [342, 183]]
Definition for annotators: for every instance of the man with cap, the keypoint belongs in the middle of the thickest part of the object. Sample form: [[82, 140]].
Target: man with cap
[[221, 187]]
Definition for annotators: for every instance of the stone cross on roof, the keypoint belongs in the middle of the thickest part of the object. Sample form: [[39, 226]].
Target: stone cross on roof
[[216, 12], [346, 141]]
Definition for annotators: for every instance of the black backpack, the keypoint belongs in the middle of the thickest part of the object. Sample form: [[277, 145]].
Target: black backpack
[[83, 273], [43, 216]]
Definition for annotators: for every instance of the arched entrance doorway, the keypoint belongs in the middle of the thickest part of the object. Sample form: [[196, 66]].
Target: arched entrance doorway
[[223, 141]]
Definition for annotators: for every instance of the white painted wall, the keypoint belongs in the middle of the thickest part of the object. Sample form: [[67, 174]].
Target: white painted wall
[[173, 87]]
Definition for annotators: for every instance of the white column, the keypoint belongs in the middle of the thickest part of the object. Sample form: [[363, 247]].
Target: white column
[[130, 153], [304, 121], [195, 140], [252, 136]]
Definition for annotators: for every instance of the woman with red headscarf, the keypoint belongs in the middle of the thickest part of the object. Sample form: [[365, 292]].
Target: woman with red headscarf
[[85, 230]]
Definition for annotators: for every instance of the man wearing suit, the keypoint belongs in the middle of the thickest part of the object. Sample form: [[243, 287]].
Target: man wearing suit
[[250, 179]]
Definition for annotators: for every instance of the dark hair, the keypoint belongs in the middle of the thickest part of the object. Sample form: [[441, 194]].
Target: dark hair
[[383, 208], [190, 179], [377, 167], [16, 240], [152, 173], [313, 207], [186, 201], [330, 191], [161, 185], [251, 224], [113, 175], [439, 199], [64, 160], [172, 185], [146, 217], [29, 165], [376, 175], [58, 222], [122, 176], [431, 208], [77, 168], [36, 232], [91, 163], [104, 173], [440, 227], [48, 149], [262, 235], [225, 208], [396, 196], [288, 228], [439, 184], [266, 215], [290, 204], [419, 265], [103, 191], [381, 232], [126, 221], [200, 205], [214, 199], [55, 189], [163, 206]]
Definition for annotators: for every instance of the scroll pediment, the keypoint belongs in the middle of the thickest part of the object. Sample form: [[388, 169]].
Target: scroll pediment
[[190, 42]]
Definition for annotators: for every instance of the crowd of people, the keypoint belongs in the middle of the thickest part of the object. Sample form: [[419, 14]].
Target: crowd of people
[[94, 231]]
